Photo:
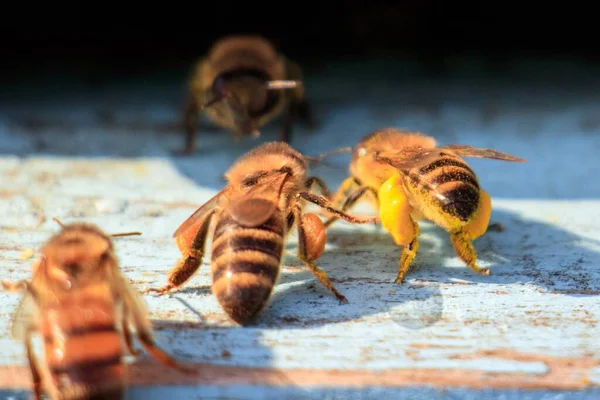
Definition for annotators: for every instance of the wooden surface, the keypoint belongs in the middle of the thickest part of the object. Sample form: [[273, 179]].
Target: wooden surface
[[530, 329]]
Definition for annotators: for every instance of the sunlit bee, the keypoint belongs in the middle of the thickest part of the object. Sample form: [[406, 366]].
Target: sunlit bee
[[408, 179], [86, 313], [242, 84], [250, 220]]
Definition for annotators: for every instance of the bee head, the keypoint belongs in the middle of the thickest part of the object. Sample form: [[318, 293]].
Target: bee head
[[76, 255]]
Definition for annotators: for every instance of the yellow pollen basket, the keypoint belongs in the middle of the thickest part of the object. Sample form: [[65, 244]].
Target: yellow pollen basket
[[394, 211]]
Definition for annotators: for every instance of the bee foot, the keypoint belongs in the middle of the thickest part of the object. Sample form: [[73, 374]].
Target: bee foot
[[159, 292], [136, 353], [343, 300], [14, 287], [496, 227]]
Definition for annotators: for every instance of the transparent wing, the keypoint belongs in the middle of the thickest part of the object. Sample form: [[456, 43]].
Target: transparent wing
[[138, 320], [25, 317], [256, 206], [135, 303], [416, 157], [470, 151], [409, 157], [197, 218]]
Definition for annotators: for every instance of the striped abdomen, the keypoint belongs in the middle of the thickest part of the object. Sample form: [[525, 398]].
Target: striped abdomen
[[245, 265], [83, 350], [451, 183]]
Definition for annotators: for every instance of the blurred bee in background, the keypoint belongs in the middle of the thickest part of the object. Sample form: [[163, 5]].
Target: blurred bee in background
[[252, 218], [242, 84], [84, 309], [407, 178]]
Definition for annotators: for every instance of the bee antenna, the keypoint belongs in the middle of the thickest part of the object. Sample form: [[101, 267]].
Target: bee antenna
[[126, 234], [326, 154], [59, 222], [283, 84], [319, 159]]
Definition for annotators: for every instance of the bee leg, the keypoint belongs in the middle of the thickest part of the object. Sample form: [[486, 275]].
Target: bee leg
[[350, 201], [137, 317], [466, 251], [159, 354], [313, 180], [190, 263], [305, 113], [35, 373], [129, 341], [190, 123], [127, 335], [297, 110], [311, 246], [409, 252], [326, 204], [181, 272], [298, 100], [461, 240], [20, 286], [314, 232], [342, 192], [496, 227], [17, 287], [394, 210]]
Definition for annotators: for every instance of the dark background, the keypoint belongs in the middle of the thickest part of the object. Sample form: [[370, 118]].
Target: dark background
[[108, 41]]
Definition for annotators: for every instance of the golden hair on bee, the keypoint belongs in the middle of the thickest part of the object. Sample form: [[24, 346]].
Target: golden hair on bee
[[242, 84], [249, 221], [408, 178], [84, 309]]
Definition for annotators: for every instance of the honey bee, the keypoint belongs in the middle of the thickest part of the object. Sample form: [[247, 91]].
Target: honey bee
[[84, 309], [241, 85], [252, 216], [407, 178]]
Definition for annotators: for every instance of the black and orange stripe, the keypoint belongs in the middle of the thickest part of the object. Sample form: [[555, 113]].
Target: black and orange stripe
[[245, 264], [453, 182], [83, 348]]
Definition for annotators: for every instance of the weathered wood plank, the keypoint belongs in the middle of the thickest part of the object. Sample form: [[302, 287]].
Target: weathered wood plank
[[532, 325], [533, 318]]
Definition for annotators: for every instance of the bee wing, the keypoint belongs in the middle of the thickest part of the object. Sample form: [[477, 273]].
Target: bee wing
[[25, 317], [137, 310], [409, 157], [256, 206], [470, 151], [415, 157], [197, 218]]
